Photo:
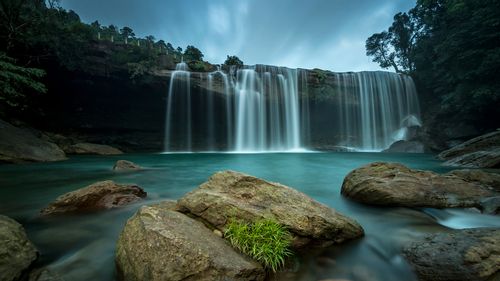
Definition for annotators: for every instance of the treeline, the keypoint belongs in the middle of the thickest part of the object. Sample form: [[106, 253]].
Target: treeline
[[452, 50], [39, 36]]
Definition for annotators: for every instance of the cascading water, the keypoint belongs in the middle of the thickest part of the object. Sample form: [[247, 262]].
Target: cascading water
[[266, 108], [375, 109], [179, 105]]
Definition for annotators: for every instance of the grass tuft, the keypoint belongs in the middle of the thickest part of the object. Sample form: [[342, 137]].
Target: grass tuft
[[265, 240]]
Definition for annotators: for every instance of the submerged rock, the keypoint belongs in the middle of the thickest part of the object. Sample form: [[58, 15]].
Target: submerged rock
[[406, 146], [472, 254], [92, 148], [17, 253], [21, 145], [160, 244], [124, 165], [98, 196], [480, 152], [393, 184], [229, 194]]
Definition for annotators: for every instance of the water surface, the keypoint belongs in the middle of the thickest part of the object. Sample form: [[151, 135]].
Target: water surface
[[82, 247]]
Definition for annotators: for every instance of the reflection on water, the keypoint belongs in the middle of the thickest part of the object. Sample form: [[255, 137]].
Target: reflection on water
[[82, 247]]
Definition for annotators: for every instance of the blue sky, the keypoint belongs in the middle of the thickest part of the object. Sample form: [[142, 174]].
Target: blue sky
[[327, 34]]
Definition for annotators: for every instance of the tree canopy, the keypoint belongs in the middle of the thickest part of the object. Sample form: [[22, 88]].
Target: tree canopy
[[452, 50]]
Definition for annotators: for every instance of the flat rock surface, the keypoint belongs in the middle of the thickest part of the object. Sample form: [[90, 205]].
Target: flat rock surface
[[160, 244], [393, 184], [98, 196], [92, 148], [459, 255], [21, 145], [17, 252], [479, 152], [229, 194]]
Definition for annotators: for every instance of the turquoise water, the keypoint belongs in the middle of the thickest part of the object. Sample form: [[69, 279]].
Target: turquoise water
[[81, 247]]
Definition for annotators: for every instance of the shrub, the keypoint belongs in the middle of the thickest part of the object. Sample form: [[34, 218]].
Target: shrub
[[264, 240]]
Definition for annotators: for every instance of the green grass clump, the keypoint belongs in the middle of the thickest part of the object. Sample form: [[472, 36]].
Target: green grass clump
[[264, 240]]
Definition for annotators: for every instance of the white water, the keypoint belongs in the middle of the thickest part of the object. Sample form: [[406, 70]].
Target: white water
[[262, 109], [375, 109]]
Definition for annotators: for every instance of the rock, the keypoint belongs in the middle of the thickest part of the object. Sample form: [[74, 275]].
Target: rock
[[480, 152], [477, 176], [406, 146], [160, 244], [44, 274], [393, 184], [17, 253], [472, 254], [92, 148], [98, 196], [21, 145], [479, 159], [124, 165], [231, 194]]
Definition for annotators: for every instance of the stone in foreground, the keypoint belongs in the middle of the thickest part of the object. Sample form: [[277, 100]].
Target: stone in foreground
[[480, 152], [160, 244], [124, 166], [20, 145], [17, 253], [92, 148], [98, 196], [460, 255], [229, 194], [393, 184]]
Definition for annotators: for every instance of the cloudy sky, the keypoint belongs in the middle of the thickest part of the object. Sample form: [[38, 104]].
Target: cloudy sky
[[327, 34]]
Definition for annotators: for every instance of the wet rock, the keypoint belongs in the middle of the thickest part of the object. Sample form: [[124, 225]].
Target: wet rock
[[124, 165], [472, 254], [160, 244], [92, 148], [98, 196], [21, 145], [231, 194], [44, 274], [17, 253], [406, 146], [491, 180], [393, 184], [480, 152]]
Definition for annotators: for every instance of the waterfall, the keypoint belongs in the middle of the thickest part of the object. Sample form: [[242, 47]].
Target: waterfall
[[179, 105], [375, 109], [265, 108]]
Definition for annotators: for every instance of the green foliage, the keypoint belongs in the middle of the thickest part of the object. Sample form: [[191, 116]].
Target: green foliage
[[320, 74], [233, 60], [452, 50], [15, 80], [193, 54], [264, 240]]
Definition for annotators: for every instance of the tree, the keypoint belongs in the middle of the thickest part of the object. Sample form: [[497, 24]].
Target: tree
[[127, 32], [193, 54], [233, 60], [378, 46], [15, 80]]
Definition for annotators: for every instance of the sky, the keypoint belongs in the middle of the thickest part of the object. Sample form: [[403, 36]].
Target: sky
[[326, 34]]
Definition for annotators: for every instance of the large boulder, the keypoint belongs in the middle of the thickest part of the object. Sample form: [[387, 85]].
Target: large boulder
[[459, 255], [227, 195], [480, 152], [98, 196], [393, 184], [17, 253], [406, 147], [92, 148], [160, 244], [125, 166], [21, 145]]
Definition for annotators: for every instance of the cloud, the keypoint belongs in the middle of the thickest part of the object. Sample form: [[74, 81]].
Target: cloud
[[295, 33]]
